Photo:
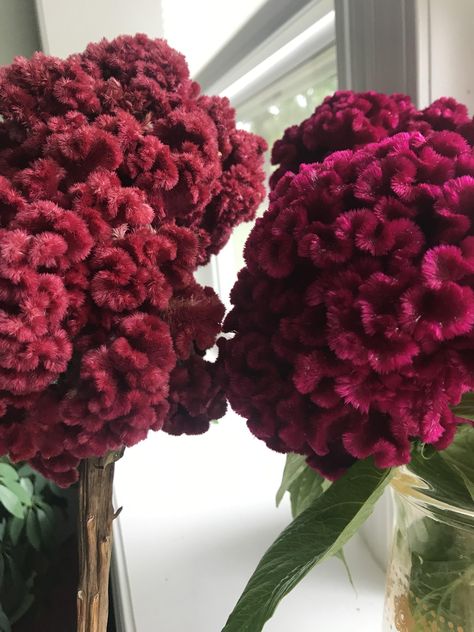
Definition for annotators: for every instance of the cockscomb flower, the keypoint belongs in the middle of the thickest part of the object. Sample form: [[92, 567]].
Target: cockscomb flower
[[354, 315], [117, 179], [349, 120]]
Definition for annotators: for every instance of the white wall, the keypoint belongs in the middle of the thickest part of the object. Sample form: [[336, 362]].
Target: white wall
[[67, 26], [18, 29], [200, 28], [452, 50], [197, 29]]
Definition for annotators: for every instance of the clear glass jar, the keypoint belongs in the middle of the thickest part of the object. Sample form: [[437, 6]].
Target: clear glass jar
[[430, 580]]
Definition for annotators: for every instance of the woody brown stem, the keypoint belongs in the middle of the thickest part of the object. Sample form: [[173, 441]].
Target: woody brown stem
[[96, 515]]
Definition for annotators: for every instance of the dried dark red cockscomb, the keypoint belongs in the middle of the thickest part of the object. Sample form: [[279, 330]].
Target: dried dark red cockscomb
[[117, 179], [354, 316]]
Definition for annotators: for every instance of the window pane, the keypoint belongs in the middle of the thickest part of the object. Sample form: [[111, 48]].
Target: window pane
[[199, 29], [287, 101]]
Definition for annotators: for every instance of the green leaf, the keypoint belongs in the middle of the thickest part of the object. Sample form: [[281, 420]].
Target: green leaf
[[15, 574], [294, 466], [39, 484], [33, 530], [57, 491], [316, 534], [15, 528], [459, 456], [440, 481], [305, 485], [468, 482], [340, 555], [20, 492], [25, 470], [49, 511], [11, 502], [442, 565], [302, 482], [466, 408], [46, 526], [27, 486], [8, 472], [305, 490]]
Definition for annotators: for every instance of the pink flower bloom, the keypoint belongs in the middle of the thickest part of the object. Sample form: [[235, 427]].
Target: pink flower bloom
[[353, 319], [117, 179]]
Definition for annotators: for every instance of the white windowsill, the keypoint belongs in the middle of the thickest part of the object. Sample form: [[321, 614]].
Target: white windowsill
[[198, 514]]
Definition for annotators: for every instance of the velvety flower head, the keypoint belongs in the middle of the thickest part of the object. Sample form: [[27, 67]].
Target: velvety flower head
[[354, 315], [129, 106], [349, 120], [117, 179]]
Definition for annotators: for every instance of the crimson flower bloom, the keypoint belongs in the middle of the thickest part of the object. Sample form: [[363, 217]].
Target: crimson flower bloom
[[117, 179], [349, 120], [354, 315]]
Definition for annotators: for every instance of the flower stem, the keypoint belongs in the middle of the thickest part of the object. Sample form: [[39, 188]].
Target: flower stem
[[96, 515]]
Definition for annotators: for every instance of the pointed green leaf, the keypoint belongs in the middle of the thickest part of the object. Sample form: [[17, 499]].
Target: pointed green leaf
[[15, 527], [340, 555], [294, 466], [33, 530], [39, 483], [11, 502], [25, 470], [20, 492], [8, 472], [441, 481], [468, 482], [27, 486], [305, 489], [316, 534], [16, 578], [466, 407], [459, 456], [49, 511], [45, 524]]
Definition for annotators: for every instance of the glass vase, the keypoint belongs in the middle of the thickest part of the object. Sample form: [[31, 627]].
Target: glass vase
[[430, 580]]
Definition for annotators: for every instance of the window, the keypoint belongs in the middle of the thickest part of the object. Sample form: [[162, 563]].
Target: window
[[276, 86], [287, 101]]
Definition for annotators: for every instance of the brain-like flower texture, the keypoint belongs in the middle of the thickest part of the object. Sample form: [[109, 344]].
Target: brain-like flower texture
[[349, 120], [117, 179], [354, 315]]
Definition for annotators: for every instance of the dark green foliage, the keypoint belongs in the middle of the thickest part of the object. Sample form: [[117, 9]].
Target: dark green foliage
[[36, 519]]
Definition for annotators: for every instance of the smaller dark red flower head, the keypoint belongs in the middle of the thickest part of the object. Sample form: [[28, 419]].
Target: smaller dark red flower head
[[349, 120], [354, 315], [117, 179]]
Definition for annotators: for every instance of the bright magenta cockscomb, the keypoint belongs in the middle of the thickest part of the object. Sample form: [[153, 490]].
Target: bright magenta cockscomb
[[354, 315], [117, 179]]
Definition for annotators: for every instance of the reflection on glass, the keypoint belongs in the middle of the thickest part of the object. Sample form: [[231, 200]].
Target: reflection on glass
[[286, 102]]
